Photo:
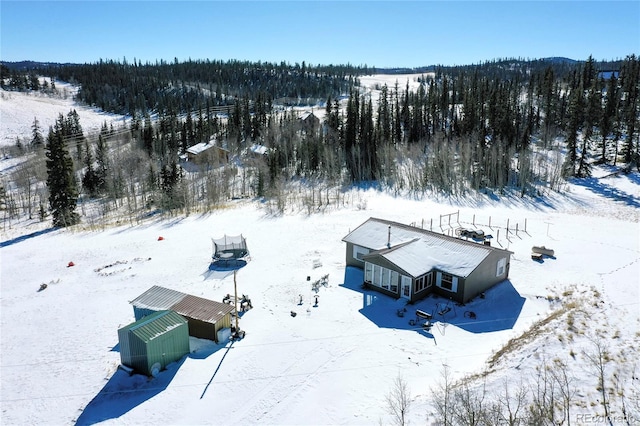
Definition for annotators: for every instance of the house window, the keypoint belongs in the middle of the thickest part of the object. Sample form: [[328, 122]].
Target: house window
[[423, 282], [394, 281], [502, 264], [386, 277], [381, 277], [358, 252], [447, 281], [368, 271], [406, 287]]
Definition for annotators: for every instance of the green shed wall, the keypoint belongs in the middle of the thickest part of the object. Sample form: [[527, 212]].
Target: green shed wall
[[162, 338]]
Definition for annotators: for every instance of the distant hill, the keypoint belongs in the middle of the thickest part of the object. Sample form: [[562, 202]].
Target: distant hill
[[29, 65]]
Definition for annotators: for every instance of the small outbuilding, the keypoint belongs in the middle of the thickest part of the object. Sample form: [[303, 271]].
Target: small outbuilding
[[150, 344], [408, 262], [155, 299], [205, 317]]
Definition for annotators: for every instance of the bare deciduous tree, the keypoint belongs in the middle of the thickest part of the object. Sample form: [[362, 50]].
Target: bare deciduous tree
[[399, 400], [598, 357]]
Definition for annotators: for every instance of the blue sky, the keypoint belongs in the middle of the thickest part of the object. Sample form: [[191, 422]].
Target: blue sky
[[376, 33]]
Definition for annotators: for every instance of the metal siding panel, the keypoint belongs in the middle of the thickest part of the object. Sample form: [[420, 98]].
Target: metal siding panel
[[125, 346], [158, 298], [139, 354], [140, 313], [146, 340]]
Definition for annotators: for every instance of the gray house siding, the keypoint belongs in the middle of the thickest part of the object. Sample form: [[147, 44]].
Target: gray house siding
[[350, 259], [485, 275], [492, 264]]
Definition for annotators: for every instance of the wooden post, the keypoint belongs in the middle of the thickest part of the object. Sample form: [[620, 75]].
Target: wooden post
[[507, 227], [525, 225], [490, 223], [498, 236], [474, 220], [516, 229], [235, 289], [431, 225]]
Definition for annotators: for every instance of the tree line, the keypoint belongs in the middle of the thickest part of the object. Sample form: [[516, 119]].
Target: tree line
[[478, 128]]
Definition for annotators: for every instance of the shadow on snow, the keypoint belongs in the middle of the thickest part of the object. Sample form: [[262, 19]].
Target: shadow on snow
[[221, 269], [498, 310], [598, 187], [124, 392], [26, 237]]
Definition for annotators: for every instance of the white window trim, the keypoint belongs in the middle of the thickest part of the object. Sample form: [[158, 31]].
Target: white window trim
[[358, 252], [501, 267], [454, 283]]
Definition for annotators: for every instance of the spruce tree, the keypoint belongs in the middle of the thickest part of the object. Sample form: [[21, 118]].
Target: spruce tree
[[63, 193], [103, 164], [37, 140], [90, 180], [608, 118]]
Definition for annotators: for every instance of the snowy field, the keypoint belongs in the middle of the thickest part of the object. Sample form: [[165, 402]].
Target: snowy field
[[330, 364], [18, 109]]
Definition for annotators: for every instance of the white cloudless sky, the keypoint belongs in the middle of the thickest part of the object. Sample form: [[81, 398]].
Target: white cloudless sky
[[375, 33]]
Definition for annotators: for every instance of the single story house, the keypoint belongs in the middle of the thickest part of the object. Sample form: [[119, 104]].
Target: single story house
[[205, 317], [409, 262], [150, 344], [207, 153], [308, 121]]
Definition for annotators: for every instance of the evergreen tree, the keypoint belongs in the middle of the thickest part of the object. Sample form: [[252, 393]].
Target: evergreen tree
[[37, 140], [630, 76], [63, 193], [102, 162], [573, 127], [73, 132], [90, 180], [608, 118]]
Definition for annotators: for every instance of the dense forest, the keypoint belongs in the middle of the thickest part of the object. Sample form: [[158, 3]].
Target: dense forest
[[504, 125]]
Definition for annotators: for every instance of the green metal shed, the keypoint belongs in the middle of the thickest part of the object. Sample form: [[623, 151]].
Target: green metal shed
[[151, 343]]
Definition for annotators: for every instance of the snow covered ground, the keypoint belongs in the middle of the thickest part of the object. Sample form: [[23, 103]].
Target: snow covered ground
[[330, 364], [18, 110]]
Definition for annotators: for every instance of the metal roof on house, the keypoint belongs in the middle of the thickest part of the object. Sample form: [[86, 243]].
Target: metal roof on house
[[158, 298], [418, 251], [202, 309], [202, 147], [155, 325]]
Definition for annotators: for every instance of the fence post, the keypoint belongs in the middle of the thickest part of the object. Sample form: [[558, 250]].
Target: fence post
[[507, 226]]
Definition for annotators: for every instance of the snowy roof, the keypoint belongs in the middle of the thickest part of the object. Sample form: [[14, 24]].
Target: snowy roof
[[202, 147], [418, 251], [202, 309], [307, 114], [158, 298], [154, 325], [258, 149]]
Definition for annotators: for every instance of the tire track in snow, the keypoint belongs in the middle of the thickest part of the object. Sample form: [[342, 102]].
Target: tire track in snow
[[286, 387]]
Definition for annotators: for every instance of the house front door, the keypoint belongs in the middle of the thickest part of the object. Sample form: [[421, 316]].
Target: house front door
[[405, 290]]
